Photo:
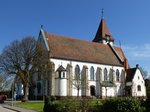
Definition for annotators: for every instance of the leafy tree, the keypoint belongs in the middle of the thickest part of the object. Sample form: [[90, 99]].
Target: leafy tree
[[24, 58]]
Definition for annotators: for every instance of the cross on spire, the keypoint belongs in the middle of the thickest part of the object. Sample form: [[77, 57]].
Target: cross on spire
[[102, 13]]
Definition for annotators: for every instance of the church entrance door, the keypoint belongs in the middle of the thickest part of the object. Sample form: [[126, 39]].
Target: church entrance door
[[92, 90]]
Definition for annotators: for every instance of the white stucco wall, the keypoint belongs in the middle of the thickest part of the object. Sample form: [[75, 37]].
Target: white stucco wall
[[61, 88], [138, 80], [105, 42], [111, 92]]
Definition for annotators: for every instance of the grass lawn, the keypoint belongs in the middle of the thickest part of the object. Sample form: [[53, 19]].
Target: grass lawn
[[37, 106]]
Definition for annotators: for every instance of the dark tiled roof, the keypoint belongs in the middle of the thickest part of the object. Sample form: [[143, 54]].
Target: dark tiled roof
[[120, 52], [61, 68], [102, 32], [73, 49], [130, 74]]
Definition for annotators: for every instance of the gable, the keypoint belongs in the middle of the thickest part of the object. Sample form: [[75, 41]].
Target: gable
[[62, 47], [42, 39], [138, 75], [134, 74], [130, 74]]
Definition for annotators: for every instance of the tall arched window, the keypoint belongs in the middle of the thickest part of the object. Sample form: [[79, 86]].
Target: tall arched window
[[117, 75], [111, 75], [122, 76], [105, 74], [77, 72], [92, 73], [98, 74]]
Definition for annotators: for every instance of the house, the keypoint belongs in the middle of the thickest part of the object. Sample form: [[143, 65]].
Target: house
[[87, 68], [135, 84]]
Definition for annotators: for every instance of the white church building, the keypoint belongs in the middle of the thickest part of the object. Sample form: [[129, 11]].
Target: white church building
[[83, 68]]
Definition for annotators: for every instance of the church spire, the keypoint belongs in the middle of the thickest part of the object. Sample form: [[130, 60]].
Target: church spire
[[103, 35]]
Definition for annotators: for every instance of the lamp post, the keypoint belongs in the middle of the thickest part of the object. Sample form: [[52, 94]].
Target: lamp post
[[12, 93]]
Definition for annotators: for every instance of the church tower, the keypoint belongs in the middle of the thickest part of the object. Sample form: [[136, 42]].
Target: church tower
[[61, 81], [103, 35]]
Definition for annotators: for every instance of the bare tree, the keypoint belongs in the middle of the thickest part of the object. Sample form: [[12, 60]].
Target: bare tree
[[79, 82], [23, 58], [5, 82], [144, 73], [2, 83]]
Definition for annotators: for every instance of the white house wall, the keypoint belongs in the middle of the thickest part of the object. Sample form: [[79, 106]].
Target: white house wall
[[64, 63], [138, 80]]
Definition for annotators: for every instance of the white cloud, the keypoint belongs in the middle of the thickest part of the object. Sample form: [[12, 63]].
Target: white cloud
[[138, 54], [137, 51]]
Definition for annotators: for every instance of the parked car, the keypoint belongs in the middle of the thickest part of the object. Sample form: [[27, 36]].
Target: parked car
[[3, 97]]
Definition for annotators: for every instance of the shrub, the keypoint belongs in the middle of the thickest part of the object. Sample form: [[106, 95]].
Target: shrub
[[147, 104], [66, 104], [123, 105], [63, 105]]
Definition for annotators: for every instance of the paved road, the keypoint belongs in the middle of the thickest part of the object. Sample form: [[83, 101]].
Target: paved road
[[5, 110]]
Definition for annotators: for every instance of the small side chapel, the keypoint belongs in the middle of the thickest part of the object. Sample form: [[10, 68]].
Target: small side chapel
[[83, 68]]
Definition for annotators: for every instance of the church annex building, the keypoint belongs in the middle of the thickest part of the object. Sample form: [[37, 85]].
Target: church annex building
[[89, 69]]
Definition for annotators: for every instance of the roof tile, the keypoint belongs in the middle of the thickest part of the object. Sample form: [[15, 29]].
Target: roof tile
[[80, 50]]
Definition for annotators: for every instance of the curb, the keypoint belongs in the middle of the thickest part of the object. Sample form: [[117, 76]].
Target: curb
[[11, 109]]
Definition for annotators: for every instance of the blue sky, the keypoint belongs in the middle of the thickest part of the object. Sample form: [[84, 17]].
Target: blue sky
[[128, 22]]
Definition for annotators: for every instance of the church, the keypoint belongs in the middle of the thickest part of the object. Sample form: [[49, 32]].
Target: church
[[83, 68]]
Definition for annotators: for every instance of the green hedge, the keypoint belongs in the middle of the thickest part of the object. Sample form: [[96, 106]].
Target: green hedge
[[89, 105], [66, 105], [63, 105], [123, 105]]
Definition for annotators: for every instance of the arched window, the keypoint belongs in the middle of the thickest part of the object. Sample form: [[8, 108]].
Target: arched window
[[92, 73], [117, 75], [139, 88], [111, 75], [59, 74], [122, 76], [77, 72], [98, 74], [63, 74], [105, 74], [38, 87], [39, 76]]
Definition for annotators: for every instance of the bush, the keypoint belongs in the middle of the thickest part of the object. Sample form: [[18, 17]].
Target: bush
[[123, 105], [66, 104], [147, 104], [63, 105]]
